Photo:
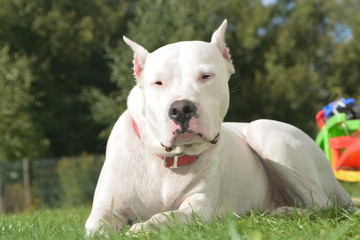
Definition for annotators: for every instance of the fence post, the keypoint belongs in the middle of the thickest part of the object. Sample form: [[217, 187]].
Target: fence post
[[26, 178]]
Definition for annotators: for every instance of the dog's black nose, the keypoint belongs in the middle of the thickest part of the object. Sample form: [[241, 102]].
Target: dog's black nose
[[181, 112]]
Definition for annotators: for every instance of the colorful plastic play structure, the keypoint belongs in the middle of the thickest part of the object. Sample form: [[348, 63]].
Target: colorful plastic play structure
[[339, 137]]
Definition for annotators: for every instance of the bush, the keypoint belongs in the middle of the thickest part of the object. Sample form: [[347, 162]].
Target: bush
[[78, 177]]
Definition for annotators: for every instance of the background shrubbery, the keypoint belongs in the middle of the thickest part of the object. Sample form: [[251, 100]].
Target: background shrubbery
[[56, 182], [77, 179]]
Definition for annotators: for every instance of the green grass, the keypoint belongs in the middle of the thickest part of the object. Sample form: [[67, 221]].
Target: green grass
[[69, 224]]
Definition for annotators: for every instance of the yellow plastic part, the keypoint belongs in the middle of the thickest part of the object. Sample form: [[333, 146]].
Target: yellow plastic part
[[347, 175]]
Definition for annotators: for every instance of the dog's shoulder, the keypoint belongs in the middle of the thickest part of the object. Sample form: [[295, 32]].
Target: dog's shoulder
[[122, 133]]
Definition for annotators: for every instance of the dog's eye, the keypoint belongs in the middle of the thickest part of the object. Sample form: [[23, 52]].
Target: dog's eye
[[159, 83], [206, 76]]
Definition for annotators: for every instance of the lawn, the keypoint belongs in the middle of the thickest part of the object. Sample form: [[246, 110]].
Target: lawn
[[69, 224]]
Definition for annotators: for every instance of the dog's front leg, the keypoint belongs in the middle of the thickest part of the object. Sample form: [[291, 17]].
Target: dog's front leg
[[100, 219], [192, 206]]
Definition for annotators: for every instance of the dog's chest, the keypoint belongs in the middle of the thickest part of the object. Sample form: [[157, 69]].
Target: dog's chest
[[156, 190]]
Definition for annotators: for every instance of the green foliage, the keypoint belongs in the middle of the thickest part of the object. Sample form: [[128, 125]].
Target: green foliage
[[78, 178], [66, 41], [345, 73], [283, 59], [20, 135]]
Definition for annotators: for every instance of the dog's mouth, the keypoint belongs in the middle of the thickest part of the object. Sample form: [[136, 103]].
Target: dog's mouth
[[185, 140]]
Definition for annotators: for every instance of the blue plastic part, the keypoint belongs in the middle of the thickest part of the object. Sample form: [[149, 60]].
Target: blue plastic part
[[342, 102]]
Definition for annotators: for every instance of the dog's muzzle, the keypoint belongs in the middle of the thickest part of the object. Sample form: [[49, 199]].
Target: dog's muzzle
[[181, 112]]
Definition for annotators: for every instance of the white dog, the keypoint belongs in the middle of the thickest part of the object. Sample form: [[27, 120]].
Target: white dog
[[170, 155]]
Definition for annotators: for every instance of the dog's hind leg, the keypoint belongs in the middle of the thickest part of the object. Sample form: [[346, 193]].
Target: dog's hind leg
[[298, 162]]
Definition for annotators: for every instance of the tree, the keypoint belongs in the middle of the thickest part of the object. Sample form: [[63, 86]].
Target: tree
[[282, 54], [66, 41], [344, 77], [20, 136]]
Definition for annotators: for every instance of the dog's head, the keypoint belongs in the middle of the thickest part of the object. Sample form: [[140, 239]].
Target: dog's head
[[182, 94]]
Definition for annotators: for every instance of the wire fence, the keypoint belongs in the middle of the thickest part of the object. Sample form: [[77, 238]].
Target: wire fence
[[53, 182]]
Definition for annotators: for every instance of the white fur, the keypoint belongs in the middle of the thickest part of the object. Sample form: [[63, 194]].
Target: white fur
[[250, 166]]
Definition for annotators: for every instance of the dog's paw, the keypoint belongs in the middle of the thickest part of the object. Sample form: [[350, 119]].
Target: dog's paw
[[138, 229], [289, 211]]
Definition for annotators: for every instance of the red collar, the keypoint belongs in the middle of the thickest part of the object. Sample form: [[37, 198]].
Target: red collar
[[170, 162]]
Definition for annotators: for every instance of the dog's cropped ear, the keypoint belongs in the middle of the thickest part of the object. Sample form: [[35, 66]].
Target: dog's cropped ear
[[218, 38], [140, 55]]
